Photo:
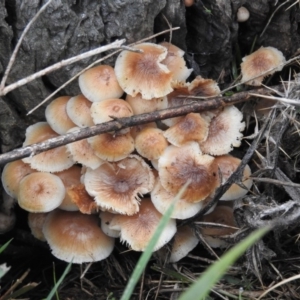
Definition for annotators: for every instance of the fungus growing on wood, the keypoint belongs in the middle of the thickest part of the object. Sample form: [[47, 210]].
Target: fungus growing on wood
[[100, 83], [118, 186], [137, 230], [178, 165], [75, 237], [41, 192], [144, 72], [265, 60], [57, 117]]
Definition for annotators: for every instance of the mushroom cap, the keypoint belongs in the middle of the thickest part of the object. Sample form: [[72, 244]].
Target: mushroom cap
[[82, 152], [142, 106], [177, 166], [76, 238], [137, 230], [192, 127], [36, 222], [204, 87], [227, 164], [224, 132], [242, 14], [12, 174], [79, 111], [259, 62], [162, 200], [41, 192], [143, 72], [175, 62], [54, 160], [110, 147], [118, 186], [100, 83], [106, 218], [184, 242], [150, 143], [57, 117]]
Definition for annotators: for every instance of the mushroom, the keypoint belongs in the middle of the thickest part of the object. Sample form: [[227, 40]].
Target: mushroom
[[118, 186], [137, 230], [204, 87], [75, 237], [106, 218], [57, 117], [227, 164], [177, 166], [41, 192], [224, 132], [36, 222], [144, 72], [54, 160], [265, 60], [242, 14], [100, 83]]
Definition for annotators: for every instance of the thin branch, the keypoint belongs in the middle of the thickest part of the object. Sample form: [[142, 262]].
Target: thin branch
[[95, 63], [115, 125], [275, 181], [114, 45], [15, 52]]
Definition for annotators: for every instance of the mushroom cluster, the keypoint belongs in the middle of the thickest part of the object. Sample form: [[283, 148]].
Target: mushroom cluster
[[131, 176]]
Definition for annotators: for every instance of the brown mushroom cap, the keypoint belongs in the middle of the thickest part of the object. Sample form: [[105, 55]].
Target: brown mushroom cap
[[184, 242], [76, 238], [143, 72], [110, 147], [53, 160], [41, 192], [227, 164], [162, 200], [57, 117], [12, 174], [266, 60], [224, 132], [137, 230], [175, 62], [192, 127], [150, 143], [178, 165], [204, 87], [79, 111], [118, 186], [100, 83]]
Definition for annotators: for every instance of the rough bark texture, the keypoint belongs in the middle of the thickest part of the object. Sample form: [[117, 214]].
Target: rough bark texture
[[209, 34]]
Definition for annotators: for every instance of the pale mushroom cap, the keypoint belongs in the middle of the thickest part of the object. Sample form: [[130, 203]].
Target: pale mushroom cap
[[184, 242], [76, 238], [82, 152], [54, 160], [262, 60], [143, 72], [57, 117], [137, 230], [204, 87], [224, 132], [178, 165], [150, 143], [162, 200], [79, 111], [41, 192], [135, 130], [227, 164], [36, 222], [118, 186], [110, 147], [142, 106], [243, 14], [12, 174], [106, 218], [192, 127], [175, 62], [100, 83]]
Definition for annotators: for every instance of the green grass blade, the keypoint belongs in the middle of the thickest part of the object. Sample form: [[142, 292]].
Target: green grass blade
[[3, 247], [26, 288], [201, 288], [138, 270], [58, 283]]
